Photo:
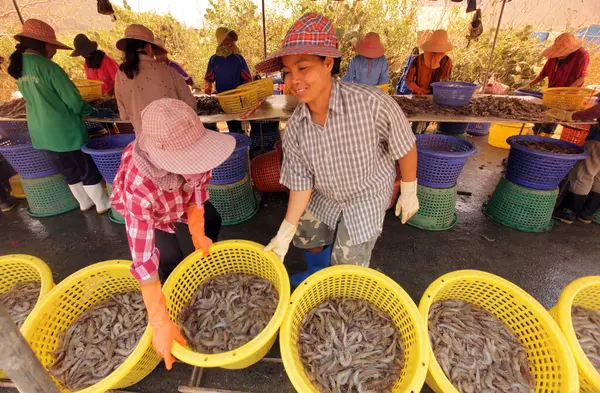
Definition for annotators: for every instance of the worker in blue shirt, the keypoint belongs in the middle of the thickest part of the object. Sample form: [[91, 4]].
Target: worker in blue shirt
[[369, 67], [227, 69]]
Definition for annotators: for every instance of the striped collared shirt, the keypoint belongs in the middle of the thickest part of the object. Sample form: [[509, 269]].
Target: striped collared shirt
[[349, 163]]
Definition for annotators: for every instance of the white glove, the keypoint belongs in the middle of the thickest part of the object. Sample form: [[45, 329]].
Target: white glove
[[560, 114], [281, 242], [408, 203]]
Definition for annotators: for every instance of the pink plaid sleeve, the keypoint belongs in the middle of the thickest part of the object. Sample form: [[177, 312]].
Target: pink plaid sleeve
[[140, 234]]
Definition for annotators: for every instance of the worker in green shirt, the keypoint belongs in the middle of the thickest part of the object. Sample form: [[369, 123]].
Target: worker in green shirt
[[55, 112]]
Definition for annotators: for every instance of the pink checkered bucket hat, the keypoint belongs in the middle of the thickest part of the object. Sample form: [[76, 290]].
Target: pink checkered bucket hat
[[175, 140], [312, 34]]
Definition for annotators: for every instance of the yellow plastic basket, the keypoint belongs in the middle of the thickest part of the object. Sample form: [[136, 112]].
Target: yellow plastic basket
[[552, 363], [263, 87], [385, 87], [68, 300], [231, 256], [500, 132], [238, 100], [17, 268], [89, 90], [567, 98], [16, 187], [357, 282], [584, 292]]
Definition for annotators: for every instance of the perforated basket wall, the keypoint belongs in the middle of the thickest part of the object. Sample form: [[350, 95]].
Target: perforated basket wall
[[460, 136], [357, 282], [576, 134], [125, 128], [18, 268], [521, 208], [10, 128], [583, 292], [266, 170], [48, 196], [234, 202], [437, 209], [264, 135], [551, 362], [596, 218], [236, 166], [27, 161], [441, 158], [230, 256], [479, 129], [71, 298], [114, 215], [536, 169], [106, 153]]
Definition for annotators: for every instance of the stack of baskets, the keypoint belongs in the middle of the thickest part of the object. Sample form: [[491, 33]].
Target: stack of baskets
[[525, 198], [441, 159], [106, 153], [266, 170], [46, 190], [230, 187]]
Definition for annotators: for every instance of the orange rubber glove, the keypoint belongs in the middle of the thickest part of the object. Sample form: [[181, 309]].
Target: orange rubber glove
[[208, 87], [164, 330], [196, 226]]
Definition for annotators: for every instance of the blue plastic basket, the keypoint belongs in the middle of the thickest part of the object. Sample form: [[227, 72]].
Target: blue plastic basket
[[441, 158], [10, 128], [536, 169], [453, 93], [529, 93], [27, 161], [479, 129], [452, 128], [106, 153], [236, 166]]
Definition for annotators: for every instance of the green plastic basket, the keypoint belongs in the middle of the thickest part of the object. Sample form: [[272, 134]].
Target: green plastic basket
[[114, 215], [521, 208], [596, 218], [48, 196], [437, 209], [235, 202]]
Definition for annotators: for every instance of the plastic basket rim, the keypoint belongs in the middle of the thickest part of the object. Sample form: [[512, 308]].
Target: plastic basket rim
[[242, 141], [21, 146], [145, 341], [257, 343], [416, 380], [452, 225], [564, 306], [512, 141], [104, 152], [112, 218], [540, 312], [455, 85], [514, 226], [55, 213], [462, 154]]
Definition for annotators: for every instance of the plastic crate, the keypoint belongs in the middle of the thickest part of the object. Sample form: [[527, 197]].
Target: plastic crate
[[575, 134], [48, 196], [27, 161], [478, 129], [266, 171], [452, 128], [114, 215], [536, 169], [453, 93], [441, 158], [10, 128], [236, 166], [106, 153], [437, 209], [520, 207], [234, 202], [90, 90]]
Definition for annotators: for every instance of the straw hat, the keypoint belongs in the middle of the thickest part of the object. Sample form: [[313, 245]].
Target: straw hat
[[41, 31], [312, 34], [437, 42], [564, 45], [223, 32], [176, 141], [370, 46], [140, 33], [83, 45]]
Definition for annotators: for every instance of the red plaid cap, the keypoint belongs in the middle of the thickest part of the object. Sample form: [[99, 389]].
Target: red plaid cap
[[312, 34], [175, 140]]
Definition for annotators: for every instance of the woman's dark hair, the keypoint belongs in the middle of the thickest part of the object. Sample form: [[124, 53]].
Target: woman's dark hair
[[15, 67], [337, 64], [131, 64], [415, 51], [95, 59]]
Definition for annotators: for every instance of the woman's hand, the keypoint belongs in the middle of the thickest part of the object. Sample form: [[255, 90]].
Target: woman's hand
[[281, 242]]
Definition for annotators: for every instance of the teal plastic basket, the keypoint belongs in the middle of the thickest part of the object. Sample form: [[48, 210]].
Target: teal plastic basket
[[437, 209], [522, 208], [596, 218], [235, 202], [48, 196], [114, 215]]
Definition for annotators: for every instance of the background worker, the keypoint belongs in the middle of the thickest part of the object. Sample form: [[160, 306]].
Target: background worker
[[433, 65], [369, 67], [98, 65]]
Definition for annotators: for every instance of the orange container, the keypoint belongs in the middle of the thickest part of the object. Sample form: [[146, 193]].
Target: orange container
[[265, 170], [575, 134]]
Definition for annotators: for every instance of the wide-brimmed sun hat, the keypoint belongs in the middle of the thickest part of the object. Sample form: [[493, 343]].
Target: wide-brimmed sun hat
[[312, 34], [175, 140], [437, 42], [140, 33], [223, 32], [83, 45], [564, 45], [370, 46], [41, 31]]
